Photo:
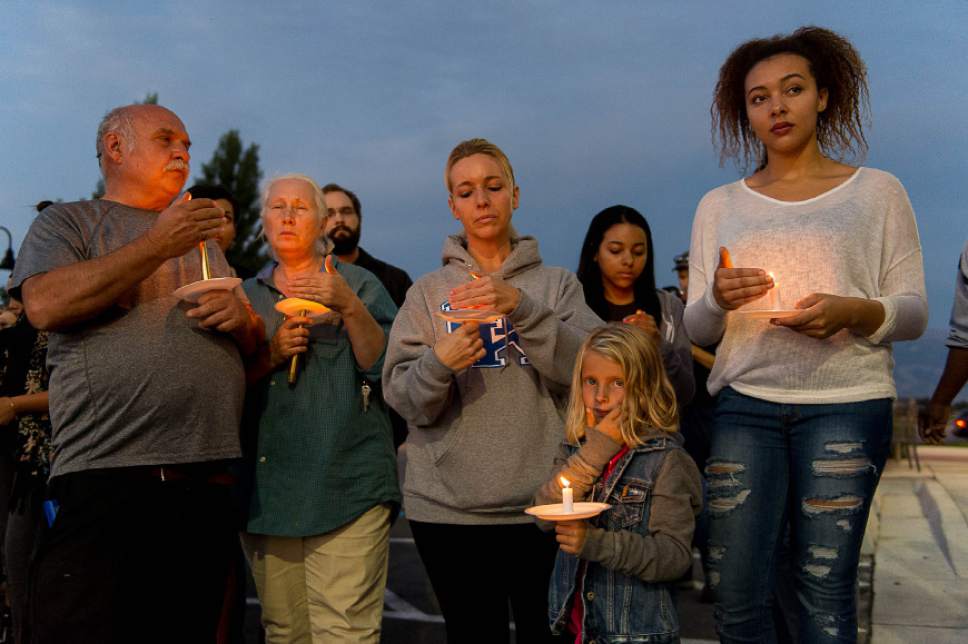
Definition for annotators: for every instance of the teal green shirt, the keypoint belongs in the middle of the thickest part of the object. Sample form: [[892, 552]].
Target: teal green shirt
[[320, 460]]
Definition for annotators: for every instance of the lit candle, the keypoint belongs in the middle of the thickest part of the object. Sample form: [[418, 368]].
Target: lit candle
[[774, 294], [567, 495]]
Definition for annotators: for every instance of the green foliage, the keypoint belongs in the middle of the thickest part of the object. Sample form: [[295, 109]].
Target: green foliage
[[236, 167], [151, 98]]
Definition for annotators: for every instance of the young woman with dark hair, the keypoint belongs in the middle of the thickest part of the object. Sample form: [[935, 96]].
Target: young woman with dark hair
[[617, 273], [803, 418]]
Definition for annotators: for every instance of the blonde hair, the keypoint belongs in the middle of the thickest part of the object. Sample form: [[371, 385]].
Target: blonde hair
[[471, 147], [649, 397]]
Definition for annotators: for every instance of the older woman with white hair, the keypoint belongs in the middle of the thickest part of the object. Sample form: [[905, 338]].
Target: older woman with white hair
[[324, 483]]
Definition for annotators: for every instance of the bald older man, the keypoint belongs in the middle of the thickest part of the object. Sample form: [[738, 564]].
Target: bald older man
[[145, 397]]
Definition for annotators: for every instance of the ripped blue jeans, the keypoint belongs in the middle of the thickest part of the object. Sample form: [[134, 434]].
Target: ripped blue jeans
[[814, 465]]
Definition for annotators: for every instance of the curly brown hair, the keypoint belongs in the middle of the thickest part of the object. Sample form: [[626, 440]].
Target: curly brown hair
[[836, 66]]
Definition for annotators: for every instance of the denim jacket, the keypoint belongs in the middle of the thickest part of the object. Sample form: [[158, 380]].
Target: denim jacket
[[619, 607]]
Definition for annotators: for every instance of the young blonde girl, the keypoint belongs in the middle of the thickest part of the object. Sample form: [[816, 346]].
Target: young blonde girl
[[622, 447]]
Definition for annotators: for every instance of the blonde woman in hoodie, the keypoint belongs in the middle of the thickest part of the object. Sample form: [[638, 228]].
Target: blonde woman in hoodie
[[484, 405]]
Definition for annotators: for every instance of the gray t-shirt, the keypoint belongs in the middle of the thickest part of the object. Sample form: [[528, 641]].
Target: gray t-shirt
[[141, 383]]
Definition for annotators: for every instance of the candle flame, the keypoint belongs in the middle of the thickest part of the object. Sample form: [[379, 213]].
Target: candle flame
[[564, 482]]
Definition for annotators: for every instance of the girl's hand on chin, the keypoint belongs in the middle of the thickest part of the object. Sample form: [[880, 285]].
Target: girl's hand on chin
[[611, 425]]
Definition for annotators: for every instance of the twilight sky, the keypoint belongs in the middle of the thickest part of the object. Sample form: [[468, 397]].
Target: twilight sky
[[596, 103]]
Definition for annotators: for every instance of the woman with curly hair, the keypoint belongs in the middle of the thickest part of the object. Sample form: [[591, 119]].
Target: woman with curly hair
[[828, 272]]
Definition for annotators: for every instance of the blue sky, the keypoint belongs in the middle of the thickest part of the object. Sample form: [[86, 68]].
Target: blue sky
[[596, 103]]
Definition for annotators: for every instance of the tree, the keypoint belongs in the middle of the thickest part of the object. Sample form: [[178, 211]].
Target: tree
[[151, 98], [236, 168]]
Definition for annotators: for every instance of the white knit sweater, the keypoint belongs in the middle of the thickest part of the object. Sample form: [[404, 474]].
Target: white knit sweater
[[858, 239]]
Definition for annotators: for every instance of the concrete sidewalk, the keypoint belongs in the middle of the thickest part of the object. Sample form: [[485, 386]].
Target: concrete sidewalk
[[918, 535]]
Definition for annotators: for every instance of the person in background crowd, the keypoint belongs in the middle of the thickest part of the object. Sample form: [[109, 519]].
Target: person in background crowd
[[617, 273], [25, 423], [934, 418], [325, 484], [344, 215], [146, 397], [227, 204], [484, 404], [803, 375], [24, 376], [11, 312]]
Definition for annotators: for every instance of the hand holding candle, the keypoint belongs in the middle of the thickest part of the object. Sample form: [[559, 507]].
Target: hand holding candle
[[734, 287], [294, 362], [571, 536], [489, 292], [291, 338], [567, 495], [821, 315]]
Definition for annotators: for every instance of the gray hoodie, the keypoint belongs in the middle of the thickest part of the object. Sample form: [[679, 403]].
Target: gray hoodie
[[483, 439]]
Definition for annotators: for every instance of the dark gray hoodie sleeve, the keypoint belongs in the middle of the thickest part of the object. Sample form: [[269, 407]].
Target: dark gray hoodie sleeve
[[551, 337], [676, 349], [415, 383]]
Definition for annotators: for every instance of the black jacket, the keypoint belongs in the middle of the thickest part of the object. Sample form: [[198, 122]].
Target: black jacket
[[395, 280]]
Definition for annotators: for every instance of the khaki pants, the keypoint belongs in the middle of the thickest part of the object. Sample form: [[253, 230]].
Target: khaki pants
[[324, 588]]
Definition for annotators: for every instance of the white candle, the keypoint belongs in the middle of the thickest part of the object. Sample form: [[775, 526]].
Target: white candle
[[774, 294], [567, 495]]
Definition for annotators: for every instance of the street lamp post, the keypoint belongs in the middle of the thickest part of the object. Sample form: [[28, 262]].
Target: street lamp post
[[7, 263]]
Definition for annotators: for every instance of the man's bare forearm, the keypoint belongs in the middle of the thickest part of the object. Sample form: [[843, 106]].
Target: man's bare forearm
[[953, 377], [71, 294]]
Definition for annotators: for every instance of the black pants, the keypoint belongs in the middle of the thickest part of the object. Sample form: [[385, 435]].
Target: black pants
[[23, 526], [476, 571], [132, 558]]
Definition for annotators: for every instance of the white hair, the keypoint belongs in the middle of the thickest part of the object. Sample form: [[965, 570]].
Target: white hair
[[120, 122], [323, 245]]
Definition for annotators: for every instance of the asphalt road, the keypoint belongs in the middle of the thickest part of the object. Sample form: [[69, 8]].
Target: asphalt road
[[411, 614]]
